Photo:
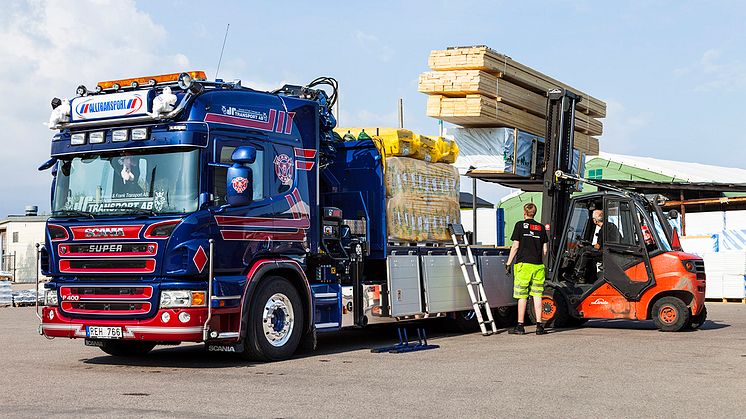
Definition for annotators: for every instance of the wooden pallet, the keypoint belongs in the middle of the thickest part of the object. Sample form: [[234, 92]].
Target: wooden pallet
[[502, 66], [726, 300], [734, 300]]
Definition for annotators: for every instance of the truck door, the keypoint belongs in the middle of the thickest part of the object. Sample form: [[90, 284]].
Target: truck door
[[626, 265]]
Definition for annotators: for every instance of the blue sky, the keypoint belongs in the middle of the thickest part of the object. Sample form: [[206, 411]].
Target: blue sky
[[672, 72]]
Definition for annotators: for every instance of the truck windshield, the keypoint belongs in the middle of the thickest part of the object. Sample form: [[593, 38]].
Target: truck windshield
[[128, 183]]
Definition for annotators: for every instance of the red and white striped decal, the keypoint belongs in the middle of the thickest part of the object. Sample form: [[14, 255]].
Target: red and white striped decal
[[268, 125], [304, 153], [280, 122], [299, 235], [277, 121], [289, 123], [307, 153], [248, 225]]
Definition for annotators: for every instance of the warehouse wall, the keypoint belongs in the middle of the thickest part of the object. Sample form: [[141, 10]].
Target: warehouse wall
[[598, 168], [28, 234], [486, 224]]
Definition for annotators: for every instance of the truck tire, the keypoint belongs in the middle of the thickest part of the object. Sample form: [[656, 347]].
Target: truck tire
[[697, 321], [274, 321], [506, 316], [465, 321], [126, 348], [670, 314]]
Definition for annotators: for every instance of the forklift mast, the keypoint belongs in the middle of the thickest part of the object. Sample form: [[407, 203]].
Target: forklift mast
[[558, 156]]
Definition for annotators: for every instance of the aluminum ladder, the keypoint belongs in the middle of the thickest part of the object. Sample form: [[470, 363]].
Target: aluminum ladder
[[476, 288]]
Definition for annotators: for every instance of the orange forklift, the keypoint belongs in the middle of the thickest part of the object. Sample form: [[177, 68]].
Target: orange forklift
[[616, 256]]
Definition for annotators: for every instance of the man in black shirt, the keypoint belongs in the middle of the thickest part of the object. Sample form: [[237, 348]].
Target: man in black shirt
[[528, 251]]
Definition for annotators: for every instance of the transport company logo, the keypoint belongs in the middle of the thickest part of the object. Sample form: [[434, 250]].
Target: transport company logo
[[104, 232], [240, 184], [284, 168], [91, 106], [245, 113]]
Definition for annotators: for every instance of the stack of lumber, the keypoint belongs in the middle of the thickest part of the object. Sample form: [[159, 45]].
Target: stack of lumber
[[478, 87]]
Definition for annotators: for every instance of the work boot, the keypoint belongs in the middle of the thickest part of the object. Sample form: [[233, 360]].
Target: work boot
[[540, 329], [518, 330]]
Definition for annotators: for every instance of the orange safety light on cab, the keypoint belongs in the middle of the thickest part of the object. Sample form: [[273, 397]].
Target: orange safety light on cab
[[150, 80]]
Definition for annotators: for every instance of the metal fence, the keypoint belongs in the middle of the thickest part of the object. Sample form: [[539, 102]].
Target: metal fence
[[8, 264]]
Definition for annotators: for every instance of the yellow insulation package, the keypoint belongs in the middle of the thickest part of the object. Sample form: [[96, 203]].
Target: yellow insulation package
[[422, 199], [398, 142]]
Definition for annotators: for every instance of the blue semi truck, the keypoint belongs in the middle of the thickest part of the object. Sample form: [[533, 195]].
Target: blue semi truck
[[187, 210]]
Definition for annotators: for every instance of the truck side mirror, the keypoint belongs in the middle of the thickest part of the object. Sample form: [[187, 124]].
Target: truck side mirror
[[239, 178]]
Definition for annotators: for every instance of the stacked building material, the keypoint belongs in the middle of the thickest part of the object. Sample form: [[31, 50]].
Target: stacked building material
[[422, 185], [421, 199], [478, 87], [726, 274], [6, 294]]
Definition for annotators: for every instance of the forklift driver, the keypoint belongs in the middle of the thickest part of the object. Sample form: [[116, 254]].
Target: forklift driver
[[585, 269]]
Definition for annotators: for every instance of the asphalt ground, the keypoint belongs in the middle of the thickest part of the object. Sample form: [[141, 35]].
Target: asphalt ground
[[605, 369]]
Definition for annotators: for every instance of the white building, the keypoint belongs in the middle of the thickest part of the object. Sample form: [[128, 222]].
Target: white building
[[19, 235]]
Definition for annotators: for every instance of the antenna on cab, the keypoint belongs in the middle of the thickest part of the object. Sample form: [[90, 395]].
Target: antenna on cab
[[225, 38]]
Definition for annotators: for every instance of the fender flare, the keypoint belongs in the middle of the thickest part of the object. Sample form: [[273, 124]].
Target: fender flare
[[261, 268]]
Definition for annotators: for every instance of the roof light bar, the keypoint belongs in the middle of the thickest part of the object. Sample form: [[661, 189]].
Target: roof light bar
[[96, 137], [152, 80]]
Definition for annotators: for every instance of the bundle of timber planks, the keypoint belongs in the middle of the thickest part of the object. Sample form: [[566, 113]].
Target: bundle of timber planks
[[479, 87]]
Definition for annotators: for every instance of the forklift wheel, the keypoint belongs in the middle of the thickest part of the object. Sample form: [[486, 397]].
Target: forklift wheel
[[698, 320], [670, 314], [554, 309]]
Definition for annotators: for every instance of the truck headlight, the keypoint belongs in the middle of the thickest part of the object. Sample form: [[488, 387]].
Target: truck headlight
[[180, 298], [50, 298]]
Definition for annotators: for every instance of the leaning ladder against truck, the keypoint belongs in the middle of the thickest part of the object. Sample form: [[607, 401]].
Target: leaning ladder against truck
[[187, 210], [640, 273]]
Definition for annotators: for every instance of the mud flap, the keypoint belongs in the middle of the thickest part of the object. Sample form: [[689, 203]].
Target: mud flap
[[308, 341]]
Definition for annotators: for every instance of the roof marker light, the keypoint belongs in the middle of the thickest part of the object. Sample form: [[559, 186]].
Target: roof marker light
[[99, 89], [152, 80], [115, 86], [134, 84]]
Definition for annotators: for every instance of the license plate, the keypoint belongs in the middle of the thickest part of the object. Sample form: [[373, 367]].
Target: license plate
[[103, 332]]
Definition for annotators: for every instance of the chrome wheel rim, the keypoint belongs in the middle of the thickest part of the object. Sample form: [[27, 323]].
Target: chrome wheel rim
[[278, 319]]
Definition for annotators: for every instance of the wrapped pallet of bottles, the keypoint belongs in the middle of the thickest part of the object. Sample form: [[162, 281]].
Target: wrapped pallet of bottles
[[422, 185]]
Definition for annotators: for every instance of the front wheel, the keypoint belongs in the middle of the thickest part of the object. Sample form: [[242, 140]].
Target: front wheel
[[275, 321], [698, 320], [670, 314], [127, 348]]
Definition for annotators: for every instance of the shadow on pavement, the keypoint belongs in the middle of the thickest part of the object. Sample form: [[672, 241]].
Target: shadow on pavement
[[195, 355]]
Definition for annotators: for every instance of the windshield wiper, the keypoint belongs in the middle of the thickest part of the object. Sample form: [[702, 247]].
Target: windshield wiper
[[72, 213], [135, 211]]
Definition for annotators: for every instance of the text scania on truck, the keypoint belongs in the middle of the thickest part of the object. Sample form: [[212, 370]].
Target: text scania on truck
[[193, 211]]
